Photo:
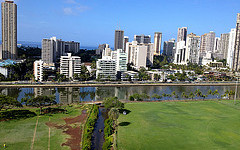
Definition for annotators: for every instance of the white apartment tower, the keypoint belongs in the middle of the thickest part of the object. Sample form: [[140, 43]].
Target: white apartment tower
[[70, 65], [181, 54], [38, 70], [137, 54], [193, 48], [106, 68], [224, 44], [121, 61], [9, 30], [157, 43], [231, 44]]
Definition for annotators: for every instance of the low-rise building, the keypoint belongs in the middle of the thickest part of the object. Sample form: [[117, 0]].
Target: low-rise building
[[129, 76], [106, 68]]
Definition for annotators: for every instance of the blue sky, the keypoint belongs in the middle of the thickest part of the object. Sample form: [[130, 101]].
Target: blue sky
[[92, 22]]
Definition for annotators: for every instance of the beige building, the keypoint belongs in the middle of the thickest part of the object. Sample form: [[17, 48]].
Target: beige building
[[236, 57], [9, 30], [157, 43]]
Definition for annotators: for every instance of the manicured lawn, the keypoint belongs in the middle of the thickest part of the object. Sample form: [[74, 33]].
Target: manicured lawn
[[180, 125], [18, 134]]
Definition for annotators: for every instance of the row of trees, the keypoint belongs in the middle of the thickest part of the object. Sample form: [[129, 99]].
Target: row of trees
[[140, 97]]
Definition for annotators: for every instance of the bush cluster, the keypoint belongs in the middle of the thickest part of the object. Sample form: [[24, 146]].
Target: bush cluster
[[89, 127], [16, 114], [108, 131]]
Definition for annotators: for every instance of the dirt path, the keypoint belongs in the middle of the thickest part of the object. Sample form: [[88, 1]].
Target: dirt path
[[49, 135], [34, 134], [72, 127]]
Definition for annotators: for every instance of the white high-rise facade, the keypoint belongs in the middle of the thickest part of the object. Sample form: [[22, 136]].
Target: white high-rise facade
[[181, 53], [38, 70], [207, 42], [70, 65], [9, 30], [137, 54], [231, 44], [193, 48], [121, 61], [157, 43], [106, 68]]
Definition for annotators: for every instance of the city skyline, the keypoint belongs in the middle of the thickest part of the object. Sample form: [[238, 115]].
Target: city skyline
[[37, 21]]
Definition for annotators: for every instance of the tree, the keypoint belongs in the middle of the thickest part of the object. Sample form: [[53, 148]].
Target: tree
[[112, 102], [198, 93], [156, 96], [40, 101], [7, 102], [113, 114], [210, 92], [191, 95]]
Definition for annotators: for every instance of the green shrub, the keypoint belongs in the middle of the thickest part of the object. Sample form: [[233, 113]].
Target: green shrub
[[16, 114], [108, 143], [108, 128], [89, 127]]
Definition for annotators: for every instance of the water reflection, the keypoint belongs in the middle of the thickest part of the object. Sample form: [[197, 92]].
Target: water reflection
[[83, 94]]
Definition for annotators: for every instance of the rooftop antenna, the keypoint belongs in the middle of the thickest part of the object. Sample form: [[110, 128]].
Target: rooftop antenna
[[118, 26]]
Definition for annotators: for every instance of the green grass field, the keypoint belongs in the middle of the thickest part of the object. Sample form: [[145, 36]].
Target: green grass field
[[180, 125], [18, 134]]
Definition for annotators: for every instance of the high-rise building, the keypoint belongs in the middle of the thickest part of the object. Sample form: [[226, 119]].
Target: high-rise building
[[101, 48], [224, 45], [157, 43], [126, 39], [107, 51], [70, 65], [137, 54], [121, 61], [9, 30], [106, 68], [146, 39], [118, 43], [193, 48], [53, 49], [182, 34], [231, 44], [236, 57], [217, 53], [38, 70], [180, 54], [207, 42], [169, 47]]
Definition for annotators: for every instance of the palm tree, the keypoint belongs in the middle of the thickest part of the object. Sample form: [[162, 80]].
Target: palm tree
[[183, 95], [210, 92], [198, 93], [191, 95]]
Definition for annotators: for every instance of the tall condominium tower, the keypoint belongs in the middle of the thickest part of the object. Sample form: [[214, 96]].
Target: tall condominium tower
[[118, 43], [231, 44], [193, 47], [168, 47], [126, 39], [236, 59], [182, 34], [9, 30], [207, 42], [146, 39], [224, 45], [157, 43]]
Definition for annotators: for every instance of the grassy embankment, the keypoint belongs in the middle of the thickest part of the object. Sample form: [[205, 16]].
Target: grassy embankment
[[180, 125]]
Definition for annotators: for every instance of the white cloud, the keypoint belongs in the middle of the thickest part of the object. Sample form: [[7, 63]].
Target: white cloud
[[68, 11], [82, 8]]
